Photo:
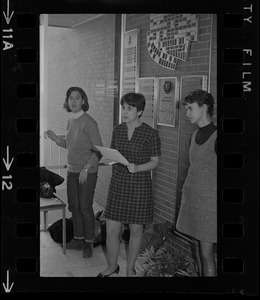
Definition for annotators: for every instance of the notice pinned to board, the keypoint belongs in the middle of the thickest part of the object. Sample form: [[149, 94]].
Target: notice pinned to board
[[130, 72], [147, 88]]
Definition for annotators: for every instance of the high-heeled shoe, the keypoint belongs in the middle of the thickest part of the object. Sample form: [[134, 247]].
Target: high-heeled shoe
[[114, 272]]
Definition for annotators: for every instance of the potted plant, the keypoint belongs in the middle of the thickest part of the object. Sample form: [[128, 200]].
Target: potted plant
[[166, 263]]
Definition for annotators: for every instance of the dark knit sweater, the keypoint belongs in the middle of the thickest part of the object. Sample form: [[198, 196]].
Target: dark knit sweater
[[204, 133]]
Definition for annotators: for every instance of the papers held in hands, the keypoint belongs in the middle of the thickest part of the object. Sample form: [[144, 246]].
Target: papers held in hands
[[112, 154]]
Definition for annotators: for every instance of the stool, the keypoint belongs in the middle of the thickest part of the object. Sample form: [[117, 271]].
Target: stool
[[54, 204]]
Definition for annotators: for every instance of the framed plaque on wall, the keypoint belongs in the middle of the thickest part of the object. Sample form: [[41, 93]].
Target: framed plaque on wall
[[168, 95]]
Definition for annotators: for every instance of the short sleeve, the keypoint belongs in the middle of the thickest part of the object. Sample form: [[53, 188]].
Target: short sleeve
[[155, 146]]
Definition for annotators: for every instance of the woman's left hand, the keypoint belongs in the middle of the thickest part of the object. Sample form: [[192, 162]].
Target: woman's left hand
[[83, 176], [132, 168]]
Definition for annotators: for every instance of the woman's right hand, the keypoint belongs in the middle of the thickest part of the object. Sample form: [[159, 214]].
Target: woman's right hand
[[51, 135]]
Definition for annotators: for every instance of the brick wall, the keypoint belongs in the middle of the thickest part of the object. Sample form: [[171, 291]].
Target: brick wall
[[166, 175]]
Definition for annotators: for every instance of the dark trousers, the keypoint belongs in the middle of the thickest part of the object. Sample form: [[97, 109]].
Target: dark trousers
[[80, 204]]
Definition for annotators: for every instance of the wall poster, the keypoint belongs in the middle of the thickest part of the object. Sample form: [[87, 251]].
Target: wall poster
[[192, 82], [148, 87], [168, 95], [130, 72]]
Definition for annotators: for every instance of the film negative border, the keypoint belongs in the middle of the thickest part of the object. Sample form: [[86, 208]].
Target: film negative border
[[20, 149], [238, 122]]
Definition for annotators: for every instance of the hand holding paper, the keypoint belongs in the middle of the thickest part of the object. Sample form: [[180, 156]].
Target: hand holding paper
[[107, 161], [113, 154]]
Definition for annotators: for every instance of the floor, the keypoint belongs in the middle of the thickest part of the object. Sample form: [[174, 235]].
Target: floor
[[53, 263]]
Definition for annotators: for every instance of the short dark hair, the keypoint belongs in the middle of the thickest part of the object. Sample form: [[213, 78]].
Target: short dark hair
[[85, 105], [201, 97], [134, 99]]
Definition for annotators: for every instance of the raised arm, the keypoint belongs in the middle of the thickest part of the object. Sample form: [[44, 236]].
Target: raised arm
[[58, 140]]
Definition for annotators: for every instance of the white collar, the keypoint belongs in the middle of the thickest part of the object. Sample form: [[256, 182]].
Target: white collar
[[78, 114]]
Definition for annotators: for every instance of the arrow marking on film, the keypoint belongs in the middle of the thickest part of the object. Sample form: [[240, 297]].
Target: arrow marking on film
[[6, 287], [6, 162], [7, 18]]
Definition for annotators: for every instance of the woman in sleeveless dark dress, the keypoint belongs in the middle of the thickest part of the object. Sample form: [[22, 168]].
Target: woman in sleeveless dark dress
[[130, 196], [198, 212]]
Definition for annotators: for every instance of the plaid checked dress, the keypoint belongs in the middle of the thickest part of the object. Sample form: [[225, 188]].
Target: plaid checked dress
[[130, 195]]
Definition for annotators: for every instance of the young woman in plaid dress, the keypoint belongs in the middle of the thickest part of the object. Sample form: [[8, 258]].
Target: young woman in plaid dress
[[130, 196]]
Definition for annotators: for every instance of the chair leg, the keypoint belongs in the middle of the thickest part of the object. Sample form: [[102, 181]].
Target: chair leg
[[64, 230], [45, 220]]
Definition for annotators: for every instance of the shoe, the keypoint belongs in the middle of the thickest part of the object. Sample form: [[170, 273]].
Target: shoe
[[76, 244], [114, 272], [88, 249]]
